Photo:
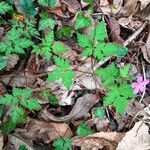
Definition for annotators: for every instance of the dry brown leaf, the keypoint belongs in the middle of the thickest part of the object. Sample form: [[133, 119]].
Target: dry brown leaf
[[19, 79], [17, 142], [107, 140], [136, 139], [104, 2], [11, 61], [144, 3], [101, 124], [73, 5], [46, 131]]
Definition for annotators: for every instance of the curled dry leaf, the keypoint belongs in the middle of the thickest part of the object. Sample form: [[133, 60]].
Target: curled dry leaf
[[46, 131], [17, 142], [81, 107], [107, 140], [136, 139], [11, 61]]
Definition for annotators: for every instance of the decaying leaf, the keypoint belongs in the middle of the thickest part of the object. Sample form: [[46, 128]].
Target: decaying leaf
[[136, 139], [101, 124], [73, 5], [107, 140], [46, 131], [81, 107], [17, 142], [11, 61]]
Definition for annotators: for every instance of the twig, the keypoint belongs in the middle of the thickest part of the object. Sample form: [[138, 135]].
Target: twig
[[135, 34], [144, 75]]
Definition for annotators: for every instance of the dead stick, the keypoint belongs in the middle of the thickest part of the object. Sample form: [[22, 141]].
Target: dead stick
[[135, 34]]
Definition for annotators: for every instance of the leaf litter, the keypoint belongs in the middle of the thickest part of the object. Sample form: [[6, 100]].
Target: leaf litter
[[81, 65]]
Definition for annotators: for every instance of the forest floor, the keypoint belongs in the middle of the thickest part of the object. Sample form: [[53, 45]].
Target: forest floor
[[74, 74]]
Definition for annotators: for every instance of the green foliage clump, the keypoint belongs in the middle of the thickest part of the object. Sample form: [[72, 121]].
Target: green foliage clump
[[27, 7], [62, 72], [95, 45], [47, 3], [83, 129], [62, 143], [48, 46], [82, 21], [19, 100], [4, 7], [116, 80], [46, 22], [18, 37]]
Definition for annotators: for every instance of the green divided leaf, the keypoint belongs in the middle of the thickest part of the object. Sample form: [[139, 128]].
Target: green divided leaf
[[82, 21], [109, 74], [31, 104], [45, 47], [8, 99], [100, 31], [53, 100], [65, 31], [62, 143], [46, 3], [87, 52], [62, 72], [124, 71], [14, 42], [89, 1], [98, 112], [17, 116], [23, 93], [83, 41], [46, 22], [58, 47], [27, 7], [22, 147], [3, 62], [4, 7], [118, 97], [84, 130]]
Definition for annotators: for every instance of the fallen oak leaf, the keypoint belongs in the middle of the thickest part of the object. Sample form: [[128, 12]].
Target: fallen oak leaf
[[81, 107]]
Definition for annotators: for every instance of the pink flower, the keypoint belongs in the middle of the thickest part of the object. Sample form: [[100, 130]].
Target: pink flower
[[140, 85]]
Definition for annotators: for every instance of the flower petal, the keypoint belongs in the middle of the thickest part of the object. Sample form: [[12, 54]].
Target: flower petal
[[145, 82], [142, 88], [135, 84], [136, 91], [139, 79]]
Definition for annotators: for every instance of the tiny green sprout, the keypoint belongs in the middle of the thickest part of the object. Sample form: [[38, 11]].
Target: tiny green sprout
[[83, 129]]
